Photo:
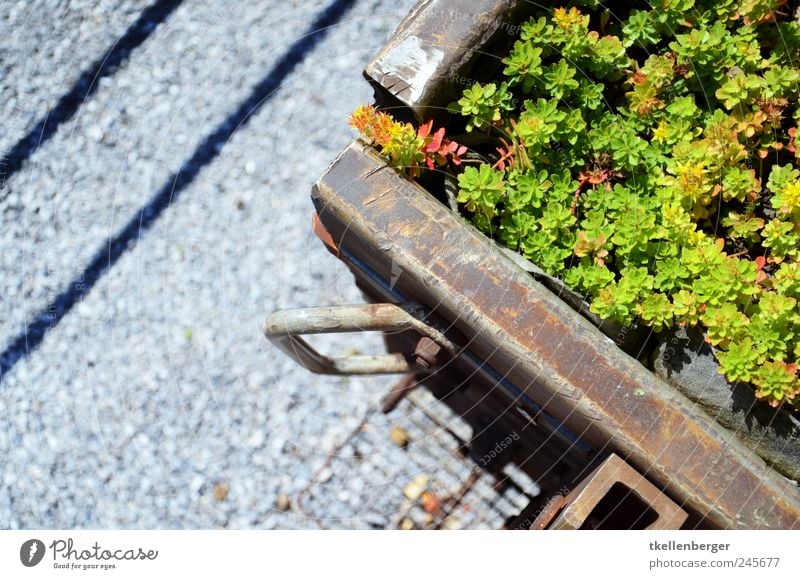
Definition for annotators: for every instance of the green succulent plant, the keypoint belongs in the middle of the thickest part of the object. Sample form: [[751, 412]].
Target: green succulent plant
[[669, 221], [649, 160]]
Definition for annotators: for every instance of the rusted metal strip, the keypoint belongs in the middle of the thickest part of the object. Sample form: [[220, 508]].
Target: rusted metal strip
[[323, 234], [426, 61], [531, 337], [398, 392]]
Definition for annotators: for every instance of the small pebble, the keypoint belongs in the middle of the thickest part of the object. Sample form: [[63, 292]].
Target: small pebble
[[221, 491], [416, 487], [282, 502], [324, 475], [399, 436]]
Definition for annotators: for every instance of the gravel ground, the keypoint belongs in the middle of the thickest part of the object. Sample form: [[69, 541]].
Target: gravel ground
[[45, 47], [370, 484], [156, 402]]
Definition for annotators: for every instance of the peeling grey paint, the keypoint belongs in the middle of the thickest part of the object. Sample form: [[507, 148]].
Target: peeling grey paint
[[413, 62]]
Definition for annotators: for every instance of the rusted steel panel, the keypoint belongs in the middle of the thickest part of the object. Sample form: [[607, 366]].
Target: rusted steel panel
[[423, 62], [531, 337]]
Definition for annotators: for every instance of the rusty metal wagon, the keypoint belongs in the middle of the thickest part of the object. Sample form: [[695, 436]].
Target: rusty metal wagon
[[609, 443]]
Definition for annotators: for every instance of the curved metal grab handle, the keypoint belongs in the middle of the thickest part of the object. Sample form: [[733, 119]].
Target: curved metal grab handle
[[284, 328]]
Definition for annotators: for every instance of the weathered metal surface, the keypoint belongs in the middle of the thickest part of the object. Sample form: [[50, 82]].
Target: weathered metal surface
[[427, 353], [425, 62], [284, 328], [548, 512], [471, 387], [546, 451], [579, 505], [398, 392], [528, 336]]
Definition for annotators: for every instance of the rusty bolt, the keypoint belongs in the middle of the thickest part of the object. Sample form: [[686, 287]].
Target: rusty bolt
[[427, 353]]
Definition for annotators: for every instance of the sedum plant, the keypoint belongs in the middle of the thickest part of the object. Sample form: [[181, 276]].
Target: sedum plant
[[407, 148], [647, 158]]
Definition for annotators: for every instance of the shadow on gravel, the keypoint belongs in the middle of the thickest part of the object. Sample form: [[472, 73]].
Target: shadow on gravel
[[85, 86], [28, 340]]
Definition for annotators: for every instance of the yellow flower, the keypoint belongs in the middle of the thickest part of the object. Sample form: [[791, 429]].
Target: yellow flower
[[661, 132]]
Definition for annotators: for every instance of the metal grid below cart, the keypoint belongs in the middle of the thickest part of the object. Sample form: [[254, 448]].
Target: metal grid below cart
[[369, 482]]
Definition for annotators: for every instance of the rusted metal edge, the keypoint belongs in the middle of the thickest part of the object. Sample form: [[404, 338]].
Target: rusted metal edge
[[579, 504], [423, 62], [530, 336]]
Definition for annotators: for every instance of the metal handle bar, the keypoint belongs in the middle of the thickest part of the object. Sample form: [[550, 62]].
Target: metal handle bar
[[284, 328]]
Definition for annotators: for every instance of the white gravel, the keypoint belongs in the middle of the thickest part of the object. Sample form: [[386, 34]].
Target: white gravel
[[45, 46], [159, 388]]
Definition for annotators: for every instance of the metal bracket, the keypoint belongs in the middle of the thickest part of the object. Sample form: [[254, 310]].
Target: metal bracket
[[284, 328], [613, 496]]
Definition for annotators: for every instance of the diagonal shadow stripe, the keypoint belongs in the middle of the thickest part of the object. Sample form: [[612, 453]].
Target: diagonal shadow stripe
[[30, 338], [85, 86]]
